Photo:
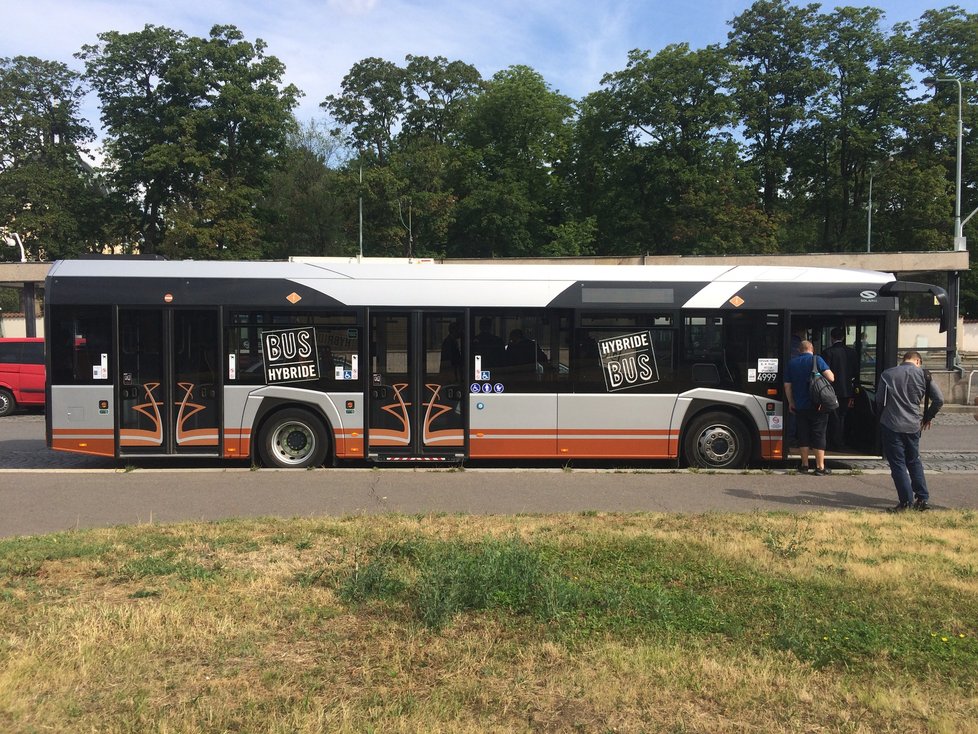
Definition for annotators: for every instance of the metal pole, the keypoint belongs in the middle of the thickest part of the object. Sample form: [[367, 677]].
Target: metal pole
[[953, 299], [954, 278], [869, 216], [960, 244], [360, 205], [27, 298], [958, 234]]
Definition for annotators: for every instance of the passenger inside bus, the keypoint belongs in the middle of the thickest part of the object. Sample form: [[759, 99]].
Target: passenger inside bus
[[451, 352], [523, 354], [488, 345]]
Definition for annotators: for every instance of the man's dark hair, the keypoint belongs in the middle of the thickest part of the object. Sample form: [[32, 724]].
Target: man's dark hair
[[838, 333]]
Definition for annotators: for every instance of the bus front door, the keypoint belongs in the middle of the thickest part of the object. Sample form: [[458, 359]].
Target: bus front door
[[853, 430], [417, 385], [168, 382]]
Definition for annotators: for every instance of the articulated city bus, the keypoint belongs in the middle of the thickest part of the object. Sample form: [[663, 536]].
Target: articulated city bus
[[301, 363]]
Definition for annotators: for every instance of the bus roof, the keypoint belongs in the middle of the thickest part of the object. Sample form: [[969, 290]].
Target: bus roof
[[321, 283]]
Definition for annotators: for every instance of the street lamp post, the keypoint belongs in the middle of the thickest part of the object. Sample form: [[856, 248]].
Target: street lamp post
[[869, 215], [14, 240], [874, 169], [960, 242]]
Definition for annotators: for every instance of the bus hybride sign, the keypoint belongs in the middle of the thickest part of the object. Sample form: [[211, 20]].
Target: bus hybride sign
[[290, 355], [628, 361]]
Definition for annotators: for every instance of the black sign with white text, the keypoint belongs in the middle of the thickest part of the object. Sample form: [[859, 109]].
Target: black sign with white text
[[290, 355], [628, 361]]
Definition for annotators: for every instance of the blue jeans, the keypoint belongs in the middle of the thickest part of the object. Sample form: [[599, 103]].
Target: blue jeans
[[902, 451]]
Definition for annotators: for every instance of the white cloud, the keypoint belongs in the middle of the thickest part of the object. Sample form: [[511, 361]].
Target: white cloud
[[354, 7]]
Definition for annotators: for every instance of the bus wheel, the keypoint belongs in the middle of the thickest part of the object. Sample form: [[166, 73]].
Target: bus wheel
[[293, 439], [717, 441], [7, 403]]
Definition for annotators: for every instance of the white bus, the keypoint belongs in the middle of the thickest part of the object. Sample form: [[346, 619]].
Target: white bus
[[297, 364]]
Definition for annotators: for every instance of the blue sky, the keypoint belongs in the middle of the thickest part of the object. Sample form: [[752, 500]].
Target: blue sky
[[572, 43]]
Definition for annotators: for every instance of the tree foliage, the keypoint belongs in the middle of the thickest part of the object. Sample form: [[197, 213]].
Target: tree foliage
[[193, 126], [771, 142], [48, 194]]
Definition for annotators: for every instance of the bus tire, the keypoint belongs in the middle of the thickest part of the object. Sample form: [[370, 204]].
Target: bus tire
[[7, 402], [293, 439], [717, 441]]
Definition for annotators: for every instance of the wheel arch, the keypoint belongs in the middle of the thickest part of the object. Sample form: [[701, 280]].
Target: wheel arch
[[700, 406], [270, 407]]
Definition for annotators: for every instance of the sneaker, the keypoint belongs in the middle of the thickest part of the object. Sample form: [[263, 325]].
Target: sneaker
[[822, 472], [921, 506], [803, 469], [902, 507]]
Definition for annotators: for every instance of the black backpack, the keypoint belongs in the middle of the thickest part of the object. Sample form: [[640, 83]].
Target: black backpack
[[820, 390]]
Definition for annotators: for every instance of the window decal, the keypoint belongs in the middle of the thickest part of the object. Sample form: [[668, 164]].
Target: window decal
[[628, 361], [290, 355]]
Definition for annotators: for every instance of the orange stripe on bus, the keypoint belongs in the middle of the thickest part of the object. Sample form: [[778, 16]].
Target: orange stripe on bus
[[512, 448], [626, 448], [83, 431], [94, 446]]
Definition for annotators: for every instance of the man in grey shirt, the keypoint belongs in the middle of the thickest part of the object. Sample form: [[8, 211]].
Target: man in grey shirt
[[899, 394]]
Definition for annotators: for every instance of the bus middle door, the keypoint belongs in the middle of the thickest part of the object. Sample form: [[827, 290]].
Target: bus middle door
[[417, 368]]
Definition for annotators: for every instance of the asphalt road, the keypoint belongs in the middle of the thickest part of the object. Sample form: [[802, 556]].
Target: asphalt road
[[43, 491]]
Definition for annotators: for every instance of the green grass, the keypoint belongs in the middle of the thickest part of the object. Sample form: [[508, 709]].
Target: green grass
[[589, 622]]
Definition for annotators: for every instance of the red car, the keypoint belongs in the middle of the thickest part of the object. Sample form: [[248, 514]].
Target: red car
[[21, 374]]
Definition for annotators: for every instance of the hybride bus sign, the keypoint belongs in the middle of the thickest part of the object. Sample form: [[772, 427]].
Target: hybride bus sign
[[628, 361], [290, 355]]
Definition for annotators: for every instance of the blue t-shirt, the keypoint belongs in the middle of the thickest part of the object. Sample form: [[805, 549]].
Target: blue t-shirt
[[797, 372]]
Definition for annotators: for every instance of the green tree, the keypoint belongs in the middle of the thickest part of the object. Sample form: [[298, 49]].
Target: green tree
[[435, 90], [141, 112], [773, 44], [48, 194], [854, 127], [657, 164], [404, 124], [515, 137], [306, 208], [943, 44], [192, 129], [371, 105]]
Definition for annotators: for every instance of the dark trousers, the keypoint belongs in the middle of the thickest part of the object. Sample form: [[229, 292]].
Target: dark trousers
[[837, 425], [902, 452]]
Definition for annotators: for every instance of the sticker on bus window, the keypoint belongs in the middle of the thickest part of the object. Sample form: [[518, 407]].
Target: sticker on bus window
[[628, 361], [290, 355], [767, 370]]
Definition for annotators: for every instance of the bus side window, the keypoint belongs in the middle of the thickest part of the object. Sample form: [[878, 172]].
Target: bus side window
[[79, 337]]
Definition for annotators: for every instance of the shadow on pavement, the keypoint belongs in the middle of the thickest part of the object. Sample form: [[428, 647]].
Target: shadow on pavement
[[828, 500]]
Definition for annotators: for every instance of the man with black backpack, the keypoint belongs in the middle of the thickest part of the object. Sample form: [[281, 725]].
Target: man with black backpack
[[811, 421], [899, 394]]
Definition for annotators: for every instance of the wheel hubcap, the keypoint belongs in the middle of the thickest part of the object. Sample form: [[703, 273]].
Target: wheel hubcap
[[294, 442], [717, 445]]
